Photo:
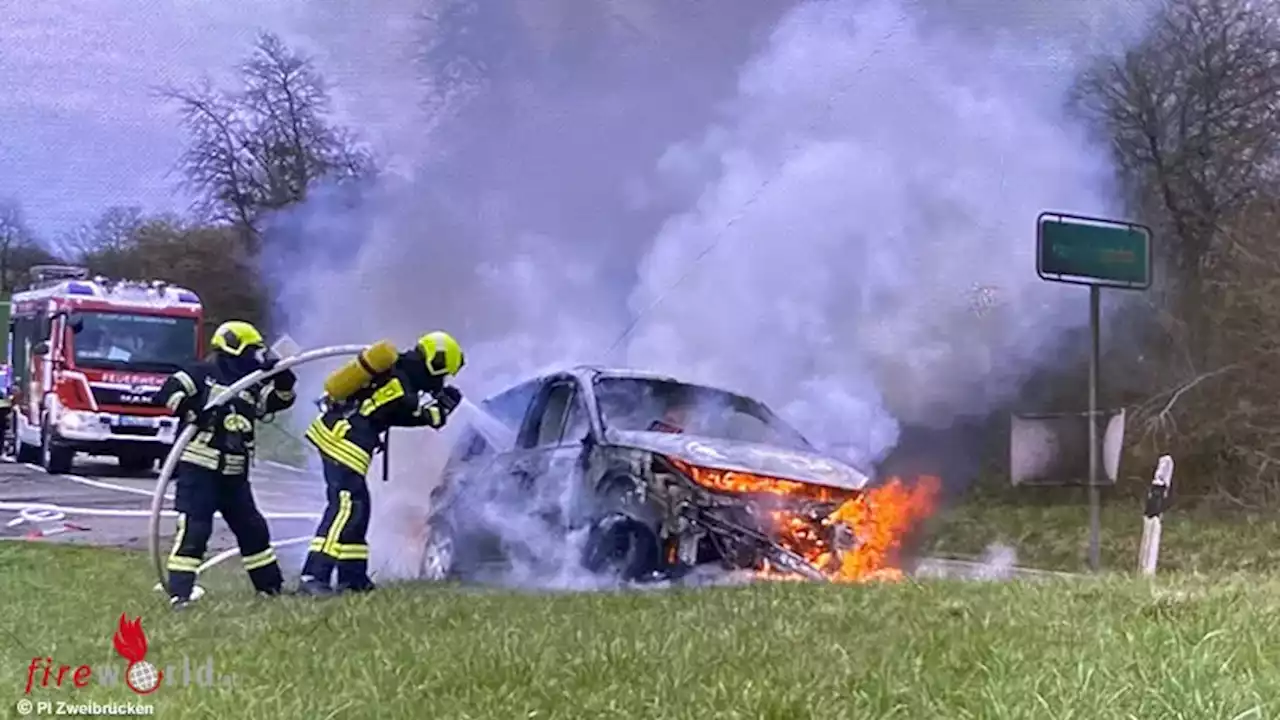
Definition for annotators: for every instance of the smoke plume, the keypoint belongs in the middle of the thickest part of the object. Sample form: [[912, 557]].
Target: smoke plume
[[831, 208]]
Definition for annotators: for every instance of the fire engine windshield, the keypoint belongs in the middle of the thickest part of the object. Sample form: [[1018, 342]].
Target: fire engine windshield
[[133, 341]]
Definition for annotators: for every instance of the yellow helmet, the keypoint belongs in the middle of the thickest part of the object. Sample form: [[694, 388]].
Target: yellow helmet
[[442, 353], [233, 336]]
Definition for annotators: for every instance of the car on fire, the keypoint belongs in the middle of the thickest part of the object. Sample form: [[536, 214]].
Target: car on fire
[[658, 476]]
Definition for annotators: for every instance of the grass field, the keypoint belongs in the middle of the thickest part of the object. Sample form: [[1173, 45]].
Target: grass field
[[1056, 537], [1183, 646]]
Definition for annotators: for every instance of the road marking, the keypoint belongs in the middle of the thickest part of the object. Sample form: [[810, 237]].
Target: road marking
[[282, 466], [121, 512], [104, 485], [112, 486]]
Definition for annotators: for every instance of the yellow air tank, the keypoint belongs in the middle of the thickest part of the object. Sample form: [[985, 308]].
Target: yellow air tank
[[359, 370]]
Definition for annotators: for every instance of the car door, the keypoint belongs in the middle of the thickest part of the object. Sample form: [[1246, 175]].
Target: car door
[[549, 467], [479, 477]]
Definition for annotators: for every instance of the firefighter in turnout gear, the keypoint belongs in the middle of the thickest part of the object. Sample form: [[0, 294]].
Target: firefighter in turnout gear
[[213, 470], [411, 393]]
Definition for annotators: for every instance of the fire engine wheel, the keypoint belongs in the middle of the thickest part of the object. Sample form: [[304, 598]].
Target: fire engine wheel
[[54, 456], [26, 453]]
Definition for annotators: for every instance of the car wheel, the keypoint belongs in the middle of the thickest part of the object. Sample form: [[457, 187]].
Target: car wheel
[[55, 457], [624, 547], [437, 558]]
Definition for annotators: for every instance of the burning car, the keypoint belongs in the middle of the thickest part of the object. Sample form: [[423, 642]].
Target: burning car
[[659, 477]]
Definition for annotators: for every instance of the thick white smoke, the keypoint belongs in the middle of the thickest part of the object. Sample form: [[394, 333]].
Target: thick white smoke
[[850, 237], [867, 216]]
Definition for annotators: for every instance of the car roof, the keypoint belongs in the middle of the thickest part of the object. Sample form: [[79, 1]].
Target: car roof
[[587, 373]]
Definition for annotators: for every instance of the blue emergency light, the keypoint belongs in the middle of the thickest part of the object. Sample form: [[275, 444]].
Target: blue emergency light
[[76, 288], [188, 297]]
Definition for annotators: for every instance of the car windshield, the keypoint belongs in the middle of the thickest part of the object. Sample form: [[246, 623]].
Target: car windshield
[[133, 341], [640, 404]]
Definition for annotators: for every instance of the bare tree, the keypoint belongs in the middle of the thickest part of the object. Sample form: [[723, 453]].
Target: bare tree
[[112, 232], [1192, 114], [20, 249], [265, 147], [13, 232]]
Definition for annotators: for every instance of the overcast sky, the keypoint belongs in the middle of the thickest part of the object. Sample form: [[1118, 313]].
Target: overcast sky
[[81, 129]]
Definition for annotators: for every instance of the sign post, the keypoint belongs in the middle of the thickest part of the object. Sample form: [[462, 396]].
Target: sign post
[[1097, 253]]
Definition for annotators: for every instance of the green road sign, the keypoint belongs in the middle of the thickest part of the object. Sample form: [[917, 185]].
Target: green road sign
[[1093, 251]]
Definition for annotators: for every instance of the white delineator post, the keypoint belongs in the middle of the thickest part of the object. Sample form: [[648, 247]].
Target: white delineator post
[[1157, 500]]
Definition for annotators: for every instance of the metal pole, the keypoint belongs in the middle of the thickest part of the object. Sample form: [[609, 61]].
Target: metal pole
[[1095, 491]]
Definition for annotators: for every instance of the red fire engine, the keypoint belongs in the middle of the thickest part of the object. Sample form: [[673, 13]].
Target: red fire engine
[[88, 356]]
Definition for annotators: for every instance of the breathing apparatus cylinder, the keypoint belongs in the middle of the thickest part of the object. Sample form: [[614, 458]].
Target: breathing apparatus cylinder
[[360, 370]]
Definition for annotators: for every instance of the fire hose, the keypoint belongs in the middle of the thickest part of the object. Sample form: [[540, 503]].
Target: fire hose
[[180, 444]]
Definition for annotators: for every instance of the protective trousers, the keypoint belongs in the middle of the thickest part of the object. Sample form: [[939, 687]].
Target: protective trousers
[[340, 539], [200, 492]]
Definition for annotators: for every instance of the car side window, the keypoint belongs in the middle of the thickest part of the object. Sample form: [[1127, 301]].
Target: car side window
[[555, 409], [511, 406], [577, 424]]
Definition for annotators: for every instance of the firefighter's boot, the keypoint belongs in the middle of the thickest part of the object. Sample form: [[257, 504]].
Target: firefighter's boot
[[314, 587]]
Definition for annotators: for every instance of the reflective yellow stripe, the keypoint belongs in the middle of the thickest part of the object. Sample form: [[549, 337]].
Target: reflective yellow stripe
[[259, 560], [181, 563], [339, 522], [188, 384], [332, 444], [198, 452], [435, 414], [317, 544], [175, 400], [177, 538], [341, 451], [199, 461], [352, 551], [391, 391], [201, 450]]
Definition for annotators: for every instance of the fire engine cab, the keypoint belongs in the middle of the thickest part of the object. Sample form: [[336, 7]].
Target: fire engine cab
[[88, 357]]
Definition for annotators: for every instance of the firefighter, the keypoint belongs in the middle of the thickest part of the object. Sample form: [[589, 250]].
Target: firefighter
[[412, 393], [213, 470]]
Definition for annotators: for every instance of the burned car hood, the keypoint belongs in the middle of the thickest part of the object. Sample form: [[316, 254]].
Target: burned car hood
[[768, 460]]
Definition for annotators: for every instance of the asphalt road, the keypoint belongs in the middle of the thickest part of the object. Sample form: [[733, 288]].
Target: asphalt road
[[100, 504]]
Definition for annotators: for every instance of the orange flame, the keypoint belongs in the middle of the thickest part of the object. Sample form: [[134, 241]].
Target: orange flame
[[875, 523], [869, 526], [130, 640]]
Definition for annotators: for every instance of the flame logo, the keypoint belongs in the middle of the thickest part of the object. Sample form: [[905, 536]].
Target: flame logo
[[131, 643]]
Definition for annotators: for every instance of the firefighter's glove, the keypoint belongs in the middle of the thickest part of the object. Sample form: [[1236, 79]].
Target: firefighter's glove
[[448, 398], [285, 380]]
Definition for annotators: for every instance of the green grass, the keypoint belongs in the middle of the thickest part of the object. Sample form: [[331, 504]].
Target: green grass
[[1111, 647], [1056, 537]]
